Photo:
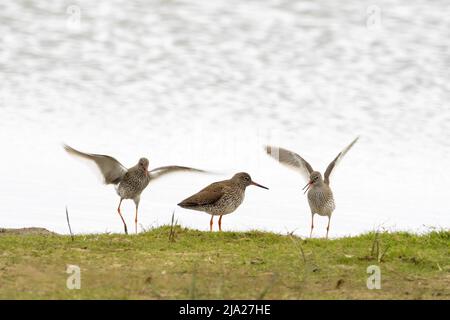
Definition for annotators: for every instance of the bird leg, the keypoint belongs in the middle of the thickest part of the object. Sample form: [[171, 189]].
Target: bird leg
[[135, 219], [211, 223], [220, 223], [120, 214], [312, 225], [136, 202], [328, 226]]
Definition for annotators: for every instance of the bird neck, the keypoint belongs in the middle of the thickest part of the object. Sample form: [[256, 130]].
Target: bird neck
[[241, 186], [140, 170], [318, 184]]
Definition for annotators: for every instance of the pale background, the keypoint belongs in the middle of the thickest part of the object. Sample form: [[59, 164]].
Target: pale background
[[206, 84]]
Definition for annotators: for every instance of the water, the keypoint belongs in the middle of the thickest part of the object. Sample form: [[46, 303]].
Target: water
[[206, 84]]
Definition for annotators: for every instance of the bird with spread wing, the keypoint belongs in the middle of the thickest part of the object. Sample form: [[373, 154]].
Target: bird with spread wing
[[129, 182], [320, 196]]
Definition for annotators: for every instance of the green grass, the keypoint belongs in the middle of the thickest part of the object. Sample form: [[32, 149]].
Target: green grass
[[225, 265]]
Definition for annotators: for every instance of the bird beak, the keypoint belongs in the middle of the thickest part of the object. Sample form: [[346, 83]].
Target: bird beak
[[258, 185], [306, 188]]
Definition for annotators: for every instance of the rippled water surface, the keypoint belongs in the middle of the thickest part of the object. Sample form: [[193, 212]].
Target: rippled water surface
[[206, 84]]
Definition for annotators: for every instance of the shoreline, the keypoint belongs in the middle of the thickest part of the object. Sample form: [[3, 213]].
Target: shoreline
[[44, 231], [168, 262]]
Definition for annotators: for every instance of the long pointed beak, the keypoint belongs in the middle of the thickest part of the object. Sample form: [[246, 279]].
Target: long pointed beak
[[258, 185], [306, 188]]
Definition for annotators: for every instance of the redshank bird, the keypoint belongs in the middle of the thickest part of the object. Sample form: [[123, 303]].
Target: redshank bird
[[320, 196], [220, 198], [129, 182]]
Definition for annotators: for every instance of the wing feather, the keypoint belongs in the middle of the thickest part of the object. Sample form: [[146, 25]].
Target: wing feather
[[158, 172], [336, 161], [207, 196], [111, 169], [291, 160]]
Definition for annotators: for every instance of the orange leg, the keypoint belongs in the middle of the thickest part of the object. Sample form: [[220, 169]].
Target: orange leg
[[312, 225], [328, 226], [135, 220], [220, 223], [136, 202], [120, 214], [211, 223]]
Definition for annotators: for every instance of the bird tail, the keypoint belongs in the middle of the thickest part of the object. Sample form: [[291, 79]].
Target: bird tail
[[186, 204]]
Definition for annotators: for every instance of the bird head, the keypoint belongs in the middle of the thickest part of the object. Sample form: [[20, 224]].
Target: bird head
[[143, 164], [244, 179], [314, 178]]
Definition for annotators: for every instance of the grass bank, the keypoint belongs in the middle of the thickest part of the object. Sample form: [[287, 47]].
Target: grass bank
[[189, 264]]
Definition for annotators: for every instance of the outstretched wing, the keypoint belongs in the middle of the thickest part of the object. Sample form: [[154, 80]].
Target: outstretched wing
[[207, 196], [111, 169], [158, 172], [290, 159], [336, 161]]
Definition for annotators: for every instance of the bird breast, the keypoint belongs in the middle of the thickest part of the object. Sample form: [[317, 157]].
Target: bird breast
[[321, 200], [133, 184]]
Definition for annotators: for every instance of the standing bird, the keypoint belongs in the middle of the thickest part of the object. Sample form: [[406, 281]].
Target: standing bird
[[130, 182], [320, 196], [220, 198]]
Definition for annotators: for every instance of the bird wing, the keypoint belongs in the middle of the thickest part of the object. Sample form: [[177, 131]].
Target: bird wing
[[336, 161], [111, 169], [209, 195], [290, 159], [158, 172]]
